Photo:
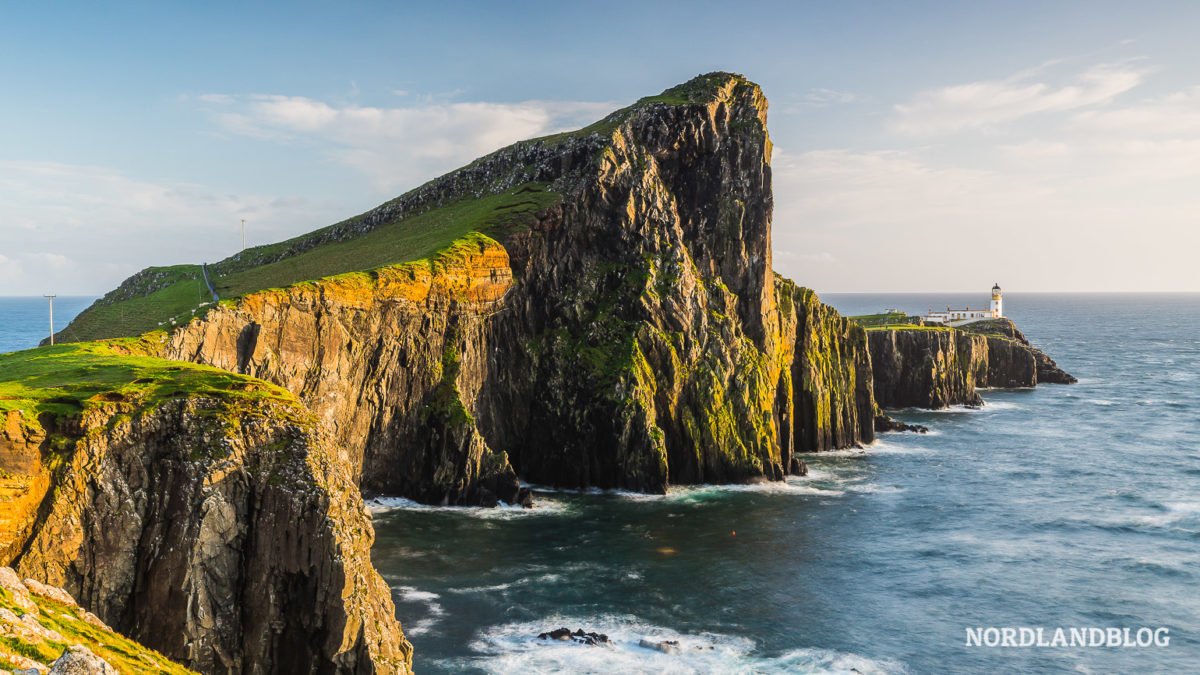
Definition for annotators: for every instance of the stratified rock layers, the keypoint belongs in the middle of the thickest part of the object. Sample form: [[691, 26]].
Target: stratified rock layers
[[224, 534]]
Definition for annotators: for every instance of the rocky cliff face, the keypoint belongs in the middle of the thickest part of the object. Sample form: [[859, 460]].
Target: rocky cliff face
[[633, 336], [998, 331], [929, 367], [391, 362], [43, 630], [222, 533]]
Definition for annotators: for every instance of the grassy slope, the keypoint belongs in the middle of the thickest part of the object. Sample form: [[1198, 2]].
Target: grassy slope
[[882, 319], [63, 379], [413, 238], [909, 326], [122, 653]]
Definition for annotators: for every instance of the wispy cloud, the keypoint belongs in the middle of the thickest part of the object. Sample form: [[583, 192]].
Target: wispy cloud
[[1173, 114], [398, 147], [1085, 202], [821, 97], [989, 103]]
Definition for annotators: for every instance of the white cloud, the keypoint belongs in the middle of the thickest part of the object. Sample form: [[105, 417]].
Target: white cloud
[[1105, 216], [400, 147], [988, 103], [821, 97], [1175, 113]]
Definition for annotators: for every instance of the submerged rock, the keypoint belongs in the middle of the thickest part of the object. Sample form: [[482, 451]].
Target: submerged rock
[[578, 636], [664, 646]]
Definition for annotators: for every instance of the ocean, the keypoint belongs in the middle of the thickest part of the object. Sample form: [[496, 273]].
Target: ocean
[[1061, 506], [24, 322]]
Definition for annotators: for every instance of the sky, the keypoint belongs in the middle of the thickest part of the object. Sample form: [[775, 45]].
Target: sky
[[919, 146]]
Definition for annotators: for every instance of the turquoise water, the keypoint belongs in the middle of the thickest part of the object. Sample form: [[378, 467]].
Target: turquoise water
[[1069, 506], [1061, 506]]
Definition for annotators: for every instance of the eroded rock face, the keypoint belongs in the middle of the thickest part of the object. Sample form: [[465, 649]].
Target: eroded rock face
[[927, 368], [391, 364], [634, 336], [226, 536], [935, 368]]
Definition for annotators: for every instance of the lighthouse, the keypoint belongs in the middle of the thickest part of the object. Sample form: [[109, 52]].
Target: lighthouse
[[997, 302]]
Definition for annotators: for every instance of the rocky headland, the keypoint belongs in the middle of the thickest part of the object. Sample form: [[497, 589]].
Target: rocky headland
[[592, 309], [936, 367]]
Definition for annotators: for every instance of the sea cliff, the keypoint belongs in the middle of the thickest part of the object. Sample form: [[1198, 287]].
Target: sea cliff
[[936, 367], [592, 309], [631, 334], [200, 513]]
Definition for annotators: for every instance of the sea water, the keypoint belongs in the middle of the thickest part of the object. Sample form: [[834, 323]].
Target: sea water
[[24, 322], [1060, 506]]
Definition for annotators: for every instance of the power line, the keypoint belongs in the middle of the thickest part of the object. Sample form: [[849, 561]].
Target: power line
[[51, 299]]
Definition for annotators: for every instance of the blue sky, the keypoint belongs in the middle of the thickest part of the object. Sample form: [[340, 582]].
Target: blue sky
[[921, 146]]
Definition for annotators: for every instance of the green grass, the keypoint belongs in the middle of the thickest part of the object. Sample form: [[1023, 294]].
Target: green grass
[[119, 651], [882, 319], [412, 238], [908, 326], [143, 313], [700, 89], [64, 379]]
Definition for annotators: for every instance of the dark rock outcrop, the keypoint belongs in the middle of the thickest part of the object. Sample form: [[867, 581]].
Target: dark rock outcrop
[[935, 367], [927, 367], [1046, 371]]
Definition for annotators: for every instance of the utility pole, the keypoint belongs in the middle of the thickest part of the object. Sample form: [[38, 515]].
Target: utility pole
[[243, 234], [51, 299]]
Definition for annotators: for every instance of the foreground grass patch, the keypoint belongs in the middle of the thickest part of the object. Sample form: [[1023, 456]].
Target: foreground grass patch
[[65, 378]]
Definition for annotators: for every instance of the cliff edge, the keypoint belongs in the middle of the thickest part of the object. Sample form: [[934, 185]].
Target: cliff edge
[[197, 511]]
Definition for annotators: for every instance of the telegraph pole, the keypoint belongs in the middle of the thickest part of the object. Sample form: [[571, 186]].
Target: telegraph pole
[[51, 299], [243, 234]]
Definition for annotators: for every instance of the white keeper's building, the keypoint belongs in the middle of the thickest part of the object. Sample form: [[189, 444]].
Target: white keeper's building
[[952, 317]]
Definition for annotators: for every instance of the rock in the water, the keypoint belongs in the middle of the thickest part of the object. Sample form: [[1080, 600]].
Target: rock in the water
[[579, 636], [885, 423], [664, 646], [798, 467], [79, 660], [633, 335], [525, 498]]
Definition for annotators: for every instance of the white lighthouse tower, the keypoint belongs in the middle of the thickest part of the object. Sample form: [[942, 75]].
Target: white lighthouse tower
[[997, 302]]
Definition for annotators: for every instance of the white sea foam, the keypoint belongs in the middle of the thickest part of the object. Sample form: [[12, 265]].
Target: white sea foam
[[1100, 401], [793, 485], [542, 506], [874, 488], [516, 648], [531, 580], [430, 600], [1173, 513]]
